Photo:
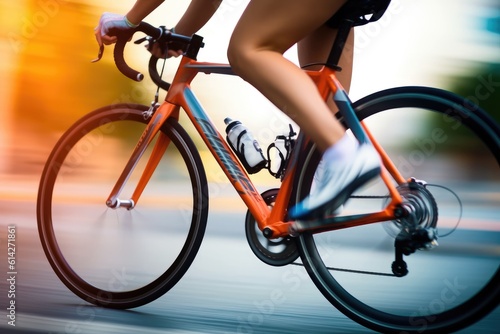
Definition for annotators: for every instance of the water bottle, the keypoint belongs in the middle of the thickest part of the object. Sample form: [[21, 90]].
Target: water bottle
[[245, 146]]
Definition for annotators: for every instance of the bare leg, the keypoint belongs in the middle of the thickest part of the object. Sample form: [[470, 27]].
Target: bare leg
[[316, 47], [265, 31]]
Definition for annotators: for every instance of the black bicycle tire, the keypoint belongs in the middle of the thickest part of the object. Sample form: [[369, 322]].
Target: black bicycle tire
[[454, 319], [162, 284]]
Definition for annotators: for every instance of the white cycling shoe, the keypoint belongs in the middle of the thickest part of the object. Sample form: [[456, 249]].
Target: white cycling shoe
[[338, 182], [316, 184]]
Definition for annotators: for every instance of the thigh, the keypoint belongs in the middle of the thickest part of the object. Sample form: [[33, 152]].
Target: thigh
[[315, 48], [278, 24]]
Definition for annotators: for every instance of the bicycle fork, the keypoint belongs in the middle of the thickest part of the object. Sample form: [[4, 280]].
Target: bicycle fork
[[159, 117]]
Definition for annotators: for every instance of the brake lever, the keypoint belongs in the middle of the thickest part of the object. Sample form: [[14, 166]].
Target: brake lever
[[144, 39], [99, 54], [150, 41]]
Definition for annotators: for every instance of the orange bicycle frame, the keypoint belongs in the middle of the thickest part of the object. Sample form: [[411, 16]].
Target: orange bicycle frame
[[272, 221]]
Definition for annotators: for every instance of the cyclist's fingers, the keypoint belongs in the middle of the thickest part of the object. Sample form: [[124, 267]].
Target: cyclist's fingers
[[97, 33], [157, 51], [103, 38], [107, 40], [159, 54], [174, 53]]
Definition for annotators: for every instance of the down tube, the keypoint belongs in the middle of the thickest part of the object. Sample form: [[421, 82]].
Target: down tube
[[225, 157]]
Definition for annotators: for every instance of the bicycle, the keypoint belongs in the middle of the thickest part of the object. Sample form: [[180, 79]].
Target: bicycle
[[399, 232]]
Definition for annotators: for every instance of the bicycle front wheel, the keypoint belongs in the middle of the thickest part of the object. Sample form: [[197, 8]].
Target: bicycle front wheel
[[453, 148], [120, 258]]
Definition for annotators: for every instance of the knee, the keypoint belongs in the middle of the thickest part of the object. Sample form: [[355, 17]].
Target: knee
[[238, 56]]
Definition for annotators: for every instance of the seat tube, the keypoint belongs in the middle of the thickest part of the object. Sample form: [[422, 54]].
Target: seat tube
[[345, 108]]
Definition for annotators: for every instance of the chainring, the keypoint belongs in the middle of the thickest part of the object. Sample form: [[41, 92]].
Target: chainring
[[275, 252]]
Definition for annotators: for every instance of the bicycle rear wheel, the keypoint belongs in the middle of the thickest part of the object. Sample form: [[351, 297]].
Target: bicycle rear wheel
[[120, 258], [454, 146]]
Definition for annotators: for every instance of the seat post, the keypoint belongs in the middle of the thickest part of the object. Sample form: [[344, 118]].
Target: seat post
[[344, 29]]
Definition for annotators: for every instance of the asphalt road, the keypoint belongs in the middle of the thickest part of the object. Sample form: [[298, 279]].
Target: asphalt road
[[227, 290]]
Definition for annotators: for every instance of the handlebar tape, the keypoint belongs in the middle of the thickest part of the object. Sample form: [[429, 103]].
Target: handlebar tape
[[122, 38], [160, 33]]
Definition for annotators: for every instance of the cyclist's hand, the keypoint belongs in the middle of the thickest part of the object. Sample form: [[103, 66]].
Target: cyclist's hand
[[159, 52], [110, 21]]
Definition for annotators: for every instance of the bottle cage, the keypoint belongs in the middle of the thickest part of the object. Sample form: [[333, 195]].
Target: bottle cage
[[289, 143]]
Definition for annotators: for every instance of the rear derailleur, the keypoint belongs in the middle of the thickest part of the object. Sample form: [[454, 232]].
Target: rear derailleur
[[407, 243], [416, 224]]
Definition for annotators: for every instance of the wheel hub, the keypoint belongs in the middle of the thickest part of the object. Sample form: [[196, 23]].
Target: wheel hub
[[419, 209]]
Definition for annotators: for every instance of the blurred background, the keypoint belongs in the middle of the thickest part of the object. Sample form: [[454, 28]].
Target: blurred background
[[48, 80]]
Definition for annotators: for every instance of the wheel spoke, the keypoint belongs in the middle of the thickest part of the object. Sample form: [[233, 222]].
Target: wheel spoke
[[107, 253], [457, 152]]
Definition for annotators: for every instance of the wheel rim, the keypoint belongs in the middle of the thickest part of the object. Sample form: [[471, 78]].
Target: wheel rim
[[377, 310], [107, 262]]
